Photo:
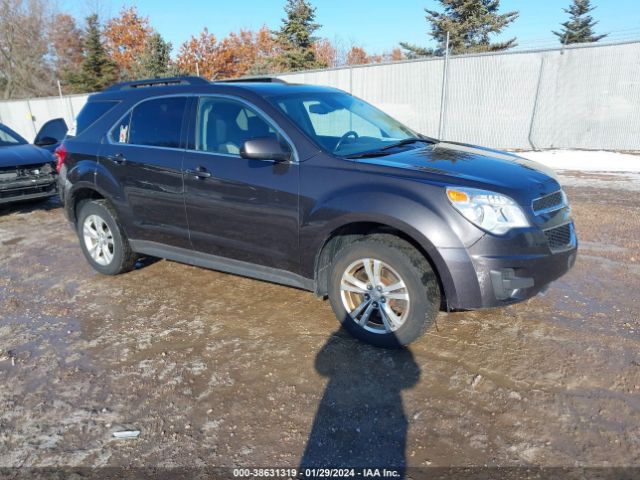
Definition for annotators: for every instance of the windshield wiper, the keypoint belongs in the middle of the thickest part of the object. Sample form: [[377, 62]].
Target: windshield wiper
[[408, 141], [380, 152], [373, 153]]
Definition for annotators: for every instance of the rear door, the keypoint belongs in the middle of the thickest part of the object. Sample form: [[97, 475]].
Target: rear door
[[144, 154], [239, 208]]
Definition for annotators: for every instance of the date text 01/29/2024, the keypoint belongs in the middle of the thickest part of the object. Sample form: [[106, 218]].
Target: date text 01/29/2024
[[315, 473]]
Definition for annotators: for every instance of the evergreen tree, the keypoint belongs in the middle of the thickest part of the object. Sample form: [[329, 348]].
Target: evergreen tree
[[579, 28], [470, 24], [155, 60], [415, 51], [295, 37], [97, 70]]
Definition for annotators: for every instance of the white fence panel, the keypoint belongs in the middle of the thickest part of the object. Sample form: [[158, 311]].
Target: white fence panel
[[584, 97], [590, 98], [490, 99], [17, 116], [27, 116], [408, 91]]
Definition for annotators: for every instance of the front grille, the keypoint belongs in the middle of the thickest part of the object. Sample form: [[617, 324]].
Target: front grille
[[559, 238], [27, 180], [30, 171], [548, 203]]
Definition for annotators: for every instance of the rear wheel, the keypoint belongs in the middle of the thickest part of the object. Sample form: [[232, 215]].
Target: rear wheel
[[103, 242], [383, 291]]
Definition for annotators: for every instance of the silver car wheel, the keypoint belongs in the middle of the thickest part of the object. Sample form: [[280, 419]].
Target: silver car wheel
[[98, 240], [375, 296]]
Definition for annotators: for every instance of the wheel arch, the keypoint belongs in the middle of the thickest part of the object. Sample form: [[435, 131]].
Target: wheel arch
[[100, 185], [352, 231], [76, 196]]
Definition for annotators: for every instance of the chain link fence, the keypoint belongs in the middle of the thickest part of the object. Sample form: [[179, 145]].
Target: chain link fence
[[583, 97], [578, 97]]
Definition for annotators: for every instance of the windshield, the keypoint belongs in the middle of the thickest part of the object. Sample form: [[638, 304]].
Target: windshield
[[9, 138], [342, 124]]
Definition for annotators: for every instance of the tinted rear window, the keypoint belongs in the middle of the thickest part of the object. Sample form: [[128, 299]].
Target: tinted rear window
[[90, 114]]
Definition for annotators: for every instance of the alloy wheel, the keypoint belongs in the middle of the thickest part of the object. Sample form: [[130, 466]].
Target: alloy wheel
[[375, 296], [98, 239]]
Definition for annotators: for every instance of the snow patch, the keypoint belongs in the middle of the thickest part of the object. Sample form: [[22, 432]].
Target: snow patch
[[586, 161]]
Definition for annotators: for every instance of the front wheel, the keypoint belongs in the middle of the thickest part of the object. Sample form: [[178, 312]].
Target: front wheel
[[383, 291], [103, 242]]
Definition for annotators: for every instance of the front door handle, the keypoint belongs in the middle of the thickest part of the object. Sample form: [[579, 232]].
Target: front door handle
[[199, 172]]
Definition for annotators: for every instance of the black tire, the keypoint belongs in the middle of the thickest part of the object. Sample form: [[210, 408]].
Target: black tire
[[416, 273], [124, 259]]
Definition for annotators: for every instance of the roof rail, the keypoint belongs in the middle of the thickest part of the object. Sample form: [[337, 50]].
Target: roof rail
[[253, 80], [158, 82]]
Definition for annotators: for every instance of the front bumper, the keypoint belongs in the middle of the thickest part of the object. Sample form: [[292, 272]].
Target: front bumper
[[27, 188], [501, 271]]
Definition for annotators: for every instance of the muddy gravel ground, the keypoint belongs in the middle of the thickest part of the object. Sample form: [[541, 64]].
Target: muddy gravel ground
[[219, 370]]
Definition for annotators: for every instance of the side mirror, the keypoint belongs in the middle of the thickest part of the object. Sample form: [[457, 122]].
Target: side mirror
[[45, 141], [266, 148]]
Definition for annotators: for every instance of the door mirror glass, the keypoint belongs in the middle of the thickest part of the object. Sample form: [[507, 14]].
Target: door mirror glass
[[265, 148], [51, 132]]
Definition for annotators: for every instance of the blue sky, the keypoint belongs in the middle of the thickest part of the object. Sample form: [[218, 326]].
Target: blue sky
[[376, 26]]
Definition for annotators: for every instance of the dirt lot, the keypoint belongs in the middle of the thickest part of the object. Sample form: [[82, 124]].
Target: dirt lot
[[220, 370]]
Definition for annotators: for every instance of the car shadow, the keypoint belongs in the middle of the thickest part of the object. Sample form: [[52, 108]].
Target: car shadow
[[145, 261], [360, 422], [28, 206]]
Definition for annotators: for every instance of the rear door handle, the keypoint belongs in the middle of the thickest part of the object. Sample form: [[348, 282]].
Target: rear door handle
[[199, 172], [118, 158]]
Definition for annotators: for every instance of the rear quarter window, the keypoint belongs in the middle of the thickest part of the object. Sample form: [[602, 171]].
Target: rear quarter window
[[90, 114]]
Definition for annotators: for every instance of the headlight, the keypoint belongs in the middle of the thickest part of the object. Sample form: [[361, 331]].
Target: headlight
[[490, 211]]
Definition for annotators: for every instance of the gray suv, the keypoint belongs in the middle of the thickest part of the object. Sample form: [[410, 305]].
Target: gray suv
[[311, 187]]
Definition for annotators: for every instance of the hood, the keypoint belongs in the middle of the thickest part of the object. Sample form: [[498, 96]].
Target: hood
[[475, 167], [23, 155]]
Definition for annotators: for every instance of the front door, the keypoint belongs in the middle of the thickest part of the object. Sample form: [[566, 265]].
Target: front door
[[144, 155], [239, 208]]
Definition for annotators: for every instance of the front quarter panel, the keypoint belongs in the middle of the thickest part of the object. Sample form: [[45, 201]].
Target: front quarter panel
[[336, 193]]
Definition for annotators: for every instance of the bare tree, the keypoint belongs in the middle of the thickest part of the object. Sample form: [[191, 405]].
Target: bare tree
[[24, 49], [66, 42]]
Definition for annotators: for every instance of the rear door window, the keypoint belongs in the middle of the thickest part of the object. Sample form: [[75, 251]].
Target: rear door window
[[154, 123]]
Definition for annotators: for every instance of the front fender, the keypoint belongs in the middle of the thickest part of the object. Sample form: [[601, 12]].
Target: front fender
[[418, 218]]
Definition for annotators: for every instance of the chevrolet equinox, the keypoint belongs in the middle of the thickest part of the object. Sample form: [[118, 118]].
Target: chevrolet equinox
[[311, 187]]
